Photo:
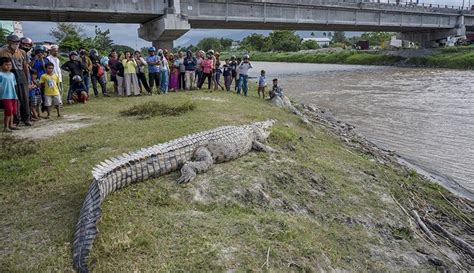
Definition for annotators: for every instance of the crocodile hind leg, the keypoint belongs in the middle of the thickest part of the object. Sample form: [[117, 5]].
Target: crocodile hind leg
[[258, 146], [203, 161]]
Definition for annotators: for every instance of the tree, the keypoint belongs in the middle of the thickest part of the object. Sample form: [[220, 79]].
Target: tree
[[377, 38], [309, 44], [285, 40], [102, 40], [210, 43], [339, 37], [226, 43], [123, 48], [66, 30], [3, 36], [253, 42]]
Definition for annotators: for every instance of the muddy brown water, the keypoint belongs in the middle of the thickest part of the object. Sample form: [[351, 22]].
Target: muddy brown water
[[425, 115]]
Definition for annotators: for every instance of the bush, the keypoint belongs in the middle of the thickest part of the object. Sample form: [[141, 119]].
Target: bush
[[154, 108]]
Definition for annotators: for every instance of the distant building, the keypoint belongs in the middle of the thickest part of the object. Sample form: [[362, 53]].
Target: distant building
[[235, 45], [322, 42], [15, 27]]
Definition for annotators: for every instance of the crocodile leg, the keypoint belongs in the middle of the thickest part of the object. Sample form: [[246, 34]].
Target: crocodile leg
[[258, 146], [203, 161]]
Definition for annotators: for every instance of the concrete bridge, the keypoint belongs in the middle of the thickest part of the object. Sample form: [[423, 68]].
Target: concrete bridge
[[163, 21]]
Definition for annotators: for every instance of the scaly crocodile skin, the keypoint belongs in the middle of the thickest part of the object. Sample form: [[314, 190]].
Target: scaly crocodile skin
[[206, 148]]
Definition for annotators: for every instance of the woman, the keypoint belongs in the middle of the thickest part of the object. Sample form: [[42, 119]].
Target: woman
[[199, 60], [164, 71], [141, 72], [130, 75], [174, 75], [217, 72], [182, 70], [207, 65]]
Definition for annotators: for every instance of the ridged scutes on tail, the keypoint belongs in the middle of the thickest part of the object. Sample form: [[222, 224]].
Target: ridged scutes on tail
[[86, 227]]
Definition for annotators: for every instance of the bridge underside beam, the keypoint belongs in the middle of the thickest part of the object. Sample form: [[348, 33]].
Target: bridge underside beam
[[97, 16], [229, 24]]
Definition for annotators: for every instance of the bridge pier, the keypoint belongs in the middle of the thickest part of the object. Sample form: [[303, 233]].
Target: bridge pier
[[163, 31], [427, 38]]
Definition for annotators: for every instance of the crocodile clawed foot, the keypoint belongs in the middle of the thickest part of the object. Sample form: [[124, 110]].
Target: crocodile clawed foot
[[187, 175]]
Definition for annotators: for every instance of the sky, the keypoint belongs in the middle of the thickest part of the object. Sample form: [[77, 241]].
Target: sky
[[127, 34]]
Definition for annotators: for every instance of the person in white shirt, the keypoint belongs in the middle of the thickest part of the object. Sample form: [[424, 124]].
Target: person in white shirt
[[53, 58], [244, 75]]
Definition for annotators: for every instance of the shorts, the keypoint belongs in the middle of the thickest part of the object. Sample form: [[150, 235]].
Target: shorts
[[49, 100], [35, 100], [80, 96], [10, 107], [113, 78]]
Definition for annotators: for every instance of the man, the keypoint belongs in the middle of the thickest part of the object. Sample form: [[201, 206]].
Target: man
[[26, 44], [86, 61], [20, 70], [53, 58], [74, 67], [153, 69], [97, 73]]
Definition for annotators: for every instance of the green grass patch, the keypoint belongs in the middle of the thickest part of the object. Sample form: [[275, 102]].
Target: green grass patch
[[317, 206], [155, 108]]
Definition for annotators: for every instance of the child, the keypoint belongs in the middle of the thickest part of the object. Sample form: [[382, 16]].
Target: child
[[8, 93], [227, 73], [35, 96], [262, 84], [50, 87], [79, 93], [276, 90]]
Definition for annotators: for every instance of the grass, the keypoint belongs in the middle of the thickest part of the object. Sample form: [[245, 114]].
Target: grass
[[314, 206], [154, 108], [456, 58]]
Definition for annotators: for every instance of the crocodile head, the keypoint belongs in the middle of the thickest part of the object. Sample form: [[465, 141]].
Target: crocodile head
[[262, 129]]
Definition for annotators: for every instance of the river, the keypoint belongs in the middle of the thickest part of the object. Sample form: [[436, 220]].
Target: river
[[425, 115]]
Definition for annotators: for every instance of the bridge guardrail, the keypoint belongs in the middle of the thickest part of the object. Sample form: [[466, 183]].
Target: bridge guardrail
[[395, 5]]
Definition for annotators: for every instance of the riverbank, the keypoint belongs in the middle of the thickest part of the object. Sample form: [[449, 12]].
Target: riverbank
[[455, 58], [326, 201]]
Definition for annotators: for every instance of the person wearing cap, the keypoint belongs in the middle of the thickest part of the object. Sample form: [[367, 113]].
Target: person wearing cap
[[20, 70], [74, 67], [153, 69], [53, 58], [97, 73], [244, 68]]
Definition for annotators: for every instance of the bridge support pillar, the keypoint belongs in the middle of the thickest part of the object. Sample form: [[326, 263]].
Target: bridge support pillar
[[164, 30], [428, 38]]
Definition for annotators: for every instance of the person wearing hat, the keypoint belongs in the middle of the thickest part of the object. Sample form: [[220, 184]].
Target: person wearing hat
[[20, 70], [74, 67], [53, 58], [244, 68], [26, 44], [153, 69]]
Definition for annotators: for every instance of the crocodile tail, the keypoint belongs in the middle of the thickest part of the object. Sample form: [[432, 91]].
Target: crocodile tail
[[86, 227]]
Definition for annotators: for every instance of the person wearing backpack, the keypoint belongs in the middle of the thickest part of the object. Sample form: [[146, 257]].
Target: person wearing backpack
[[97, 73]]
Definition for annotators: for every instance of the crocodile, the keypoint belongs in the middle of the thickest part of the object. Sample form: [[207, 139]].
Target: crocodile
[[191, 154]]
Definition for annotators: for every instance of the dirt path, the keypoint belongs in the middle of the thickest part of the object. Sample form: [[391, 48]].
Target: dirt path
[[46, 128]]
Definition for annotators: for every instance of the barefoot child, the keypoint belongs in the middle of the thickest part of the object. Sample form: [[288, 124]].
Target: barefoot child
[[50, 87], [35, 96], [8, 93], [262, 84]]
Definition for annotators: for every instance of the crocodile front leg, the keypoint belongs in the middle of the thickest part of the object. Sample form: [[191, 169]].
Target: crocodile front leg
[[203, 161], [258, 146]]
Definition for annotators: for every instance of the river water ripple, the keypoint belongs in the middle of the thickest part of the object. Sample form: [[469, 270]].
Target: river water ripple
[[425, 115]]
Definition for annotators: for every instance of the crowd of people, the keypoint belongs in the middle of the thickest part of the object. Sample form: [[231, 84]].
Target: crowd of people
[[31, 80]]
